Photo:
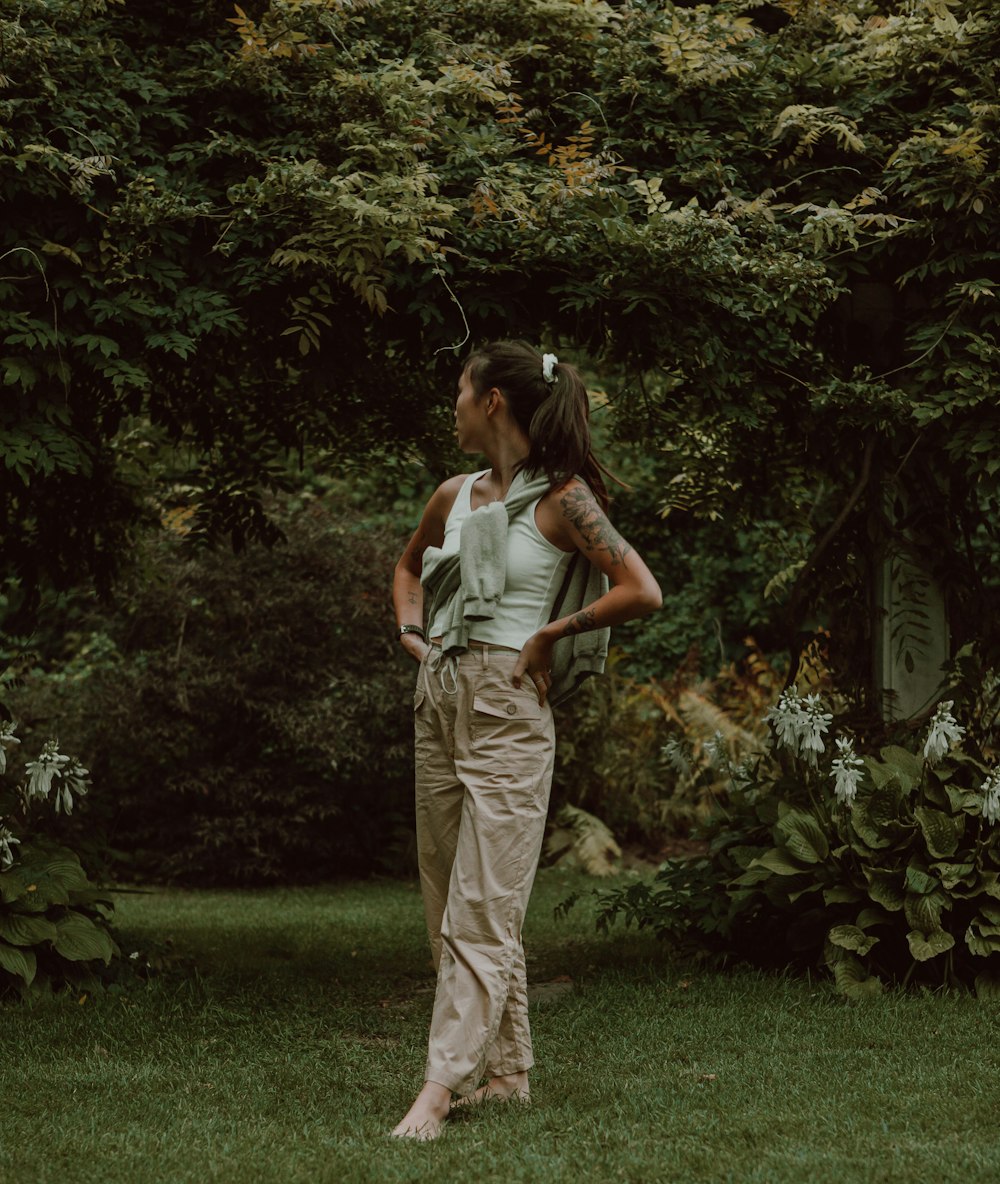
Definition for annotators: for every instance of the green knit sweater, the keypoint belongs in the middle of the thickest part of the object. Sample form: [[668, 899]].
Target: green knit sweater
[[469, 586]]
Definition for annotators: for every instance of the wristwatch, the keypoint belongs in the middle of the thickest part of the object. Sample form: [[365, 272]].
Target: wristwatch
[[412, 629]]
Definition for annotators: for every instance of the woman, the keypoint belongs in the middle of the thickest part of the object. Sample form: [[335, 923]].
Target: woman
[[523, 574]]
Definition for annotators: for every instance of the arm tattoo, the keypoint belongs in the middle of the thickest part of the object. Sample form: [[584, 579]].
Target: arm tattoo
[[580, 623], [411, 597], [580, 508]]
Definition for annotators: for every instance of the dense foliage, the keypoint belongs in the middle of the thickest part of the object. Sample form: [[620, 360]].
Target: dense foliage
[[247, 717], [261, 227], [54, 929], [884, 867]]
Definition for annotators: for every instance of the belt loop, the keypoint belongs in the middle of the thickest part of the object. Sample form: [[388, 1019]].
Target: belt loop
[[486, 656]]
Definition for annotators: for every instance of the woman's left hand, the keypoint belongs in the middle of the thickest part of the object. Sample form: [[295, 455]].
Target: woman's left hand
[[535, 660]]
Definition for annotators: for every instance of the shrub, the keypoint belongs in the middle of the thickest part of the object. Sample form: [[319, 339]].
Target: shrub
[[54, 927], [248, 715], [884, 867]]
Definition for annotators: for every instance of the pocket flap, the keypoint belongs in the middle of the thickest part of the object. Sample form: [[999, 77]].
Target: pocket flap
[[507, 705], [418, 697]]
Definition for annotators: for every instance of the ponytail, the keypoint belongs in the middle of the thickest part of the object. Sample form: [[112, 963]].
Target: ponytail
[[553, 412]]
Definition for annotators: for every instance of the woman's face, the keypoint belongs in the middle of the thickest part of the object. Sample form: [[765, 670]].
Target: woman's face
[[470, 416]]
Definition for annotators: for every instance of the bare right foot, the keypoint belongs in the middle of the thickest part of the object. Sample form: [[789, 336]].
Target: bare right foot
[[512, 1087], [423, 1119]]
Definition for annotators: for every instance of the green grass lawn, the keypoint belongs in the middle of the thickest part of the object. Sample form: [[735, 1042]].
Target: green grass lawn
[[297, 1039]]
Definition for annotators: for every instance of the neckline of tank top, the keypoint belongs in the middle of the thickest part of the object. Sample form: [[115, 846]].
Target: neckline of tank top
[[466, 490]]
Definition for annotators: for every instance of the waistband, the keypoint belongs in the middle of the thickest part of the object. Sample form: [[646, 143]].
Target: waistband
[[489, 646]]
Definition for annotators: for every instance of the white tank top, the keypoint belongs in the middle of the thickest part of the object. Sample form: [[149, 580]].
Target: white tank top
[[535, 570]]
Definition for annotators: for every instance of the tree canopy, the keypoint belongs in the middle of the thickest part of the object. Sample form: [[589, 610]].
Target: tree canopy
[[244, 230]]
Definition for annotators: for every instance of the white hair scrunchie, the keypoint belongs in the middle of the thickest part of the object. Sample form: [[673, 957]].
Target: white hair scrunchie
[[549, 363]]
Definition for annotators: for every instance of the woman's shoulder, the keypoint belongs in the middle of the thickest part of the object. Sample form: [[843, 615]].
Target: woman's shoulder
[[569, 495], [443, 498]]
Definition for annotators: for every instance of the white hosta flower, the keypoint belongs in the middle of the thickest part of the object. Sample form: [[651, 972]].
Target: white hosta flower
[[717, 751], [944, 731], [71, 781], [847, 770], [41, 772], [676, 755], [7, 740], [800, 723], [814, 723], [786, 716], [991, 797], [7, 840]]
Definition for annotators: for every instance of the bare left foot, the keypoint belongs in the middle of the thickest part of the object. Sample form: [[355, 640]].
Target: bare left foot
[[512, 1087], [423, 1119]]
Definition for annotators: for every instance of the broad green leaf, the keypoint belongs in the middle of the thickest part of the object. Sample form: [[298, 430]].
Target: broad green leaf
[[919, 881], [924, 947], [988, 985], [21, 930], [79, 939], [871, 916], [953, 873], [908, 767], [941, 832], [842, 894], [19, 962], [923, 912], [883, 805], [979, 943], [777, 861], [13, 884], [885, 889], [803, 837], [853, 980], [850, 937]]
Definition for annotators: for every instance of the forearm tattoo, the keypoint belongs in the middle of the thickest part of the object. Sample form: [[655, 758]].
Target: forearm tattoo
[[411, 597], [580, 623], [580, 508]]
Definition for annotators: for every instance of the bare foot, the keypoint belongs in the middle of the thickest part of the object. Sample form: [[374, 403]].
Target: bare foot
[[423, 1119], [513, 1087]]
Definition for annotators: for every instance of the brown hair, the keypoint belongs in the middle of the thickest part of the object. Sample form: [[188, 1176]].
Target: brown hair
[[555, 415]]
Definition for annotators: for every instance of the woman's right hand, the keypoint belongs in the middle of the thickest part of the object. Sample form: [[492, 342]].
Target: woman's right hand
[[415, 646]]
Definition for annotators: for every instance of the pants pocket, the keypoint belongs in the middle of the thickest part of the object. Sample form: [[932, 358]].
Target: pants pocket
[[504, 716]]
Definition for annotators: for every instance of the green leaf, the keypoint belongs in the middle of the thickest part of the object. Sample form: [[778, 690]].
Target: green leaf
[[923, 912], [901, 761], [850, 937], [952, 874], [941, 832], [19, 962], [988, 985], [981, 943], [22, 930], [924, 947], [842, 894], [853, 980], [884, 888], [79, 939], [803, 837], [778, 861], [919, 881], [873, 916]]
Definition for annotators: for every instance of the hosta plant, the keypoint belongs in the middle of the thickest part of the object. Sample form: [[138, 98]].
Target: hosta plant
[[53, 921], [885, 867]]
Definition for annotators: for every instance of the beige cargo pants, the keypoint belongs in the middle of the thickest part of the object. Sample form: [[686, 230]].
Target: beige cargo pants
[[484, 754]]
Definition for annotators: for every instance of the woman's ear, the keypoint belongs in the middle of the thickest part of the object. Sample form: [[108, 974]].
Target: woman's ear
[[494, 397]]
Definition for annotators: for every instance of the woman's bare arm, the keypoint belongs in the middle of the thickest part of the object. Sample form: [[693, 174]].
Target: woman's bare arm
[[407, 594], [634, 591]]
